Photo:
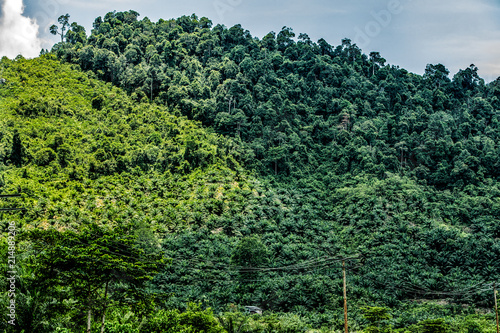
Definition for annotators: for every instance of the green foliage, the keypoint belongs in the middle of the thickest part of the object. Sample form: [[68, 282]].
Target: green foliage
[[377, 318], [234, 322], [433, 326], [250, 252], [303, 108], [44, 156], [194, 319], [253, 164], [473, 327], [81, 153], [200, 320], [17, 154], [122, 320], [100, 266]]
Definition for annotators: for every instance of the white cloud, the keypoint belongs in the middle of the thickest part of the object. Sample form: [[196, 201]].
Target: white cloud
[[18, 34]]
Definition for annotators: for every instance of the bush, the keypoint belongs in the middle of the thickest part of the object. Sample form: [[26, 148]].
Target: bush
[[44, 156], [432, 326], [377, 317], [193, 320]]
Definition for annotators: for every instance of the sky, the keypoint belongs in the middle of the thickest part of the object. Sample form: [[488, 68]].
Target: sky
[[408, 33]]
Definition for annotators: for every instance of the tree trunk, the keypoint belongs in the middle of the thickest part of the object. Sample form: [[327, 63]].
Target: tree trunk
[[89, 317], [105, 305]]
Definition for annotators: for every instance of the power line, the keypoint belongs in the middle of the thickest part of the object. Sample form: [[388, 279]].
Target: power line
[[310, 265]]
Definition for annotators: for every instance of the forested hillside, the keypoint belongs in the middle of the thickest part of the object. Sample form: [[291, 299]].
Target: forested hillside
[[252, 167], [301, 107]]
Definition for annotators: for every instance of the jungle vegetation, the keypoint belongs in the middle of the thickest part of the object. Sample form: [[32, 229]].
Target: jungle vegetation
[[174, 172]]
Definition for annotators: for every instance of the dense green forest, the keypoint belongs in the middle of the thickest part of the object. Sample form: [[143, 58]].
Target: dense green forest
[[174, 172]]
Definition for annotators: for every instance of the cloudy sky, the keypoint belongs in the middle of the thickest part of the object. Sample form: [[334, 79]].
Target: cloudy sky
[[408, 33]]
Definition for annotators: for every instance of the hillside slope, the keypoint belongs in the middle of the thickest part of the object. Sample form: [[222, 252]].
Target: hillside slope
[[390, 161], [81, 149], [259, 164], [303, 108]]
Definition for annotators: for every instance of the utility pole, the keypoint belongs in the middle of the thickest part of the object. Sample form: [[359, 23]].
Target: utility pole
[[345, 299], [496, 306]]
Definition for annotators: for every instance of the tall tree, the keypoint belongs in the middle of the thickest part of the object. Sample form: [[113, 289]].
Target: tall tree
[[18, 151], [376, 60], [99, 266], [437, 75], [64, 22]]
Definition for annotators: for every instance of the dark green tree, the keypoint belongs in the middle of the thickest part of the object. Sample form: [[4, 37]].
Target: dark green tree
[[249, 253], [18, 152], [100, 267], [433, 326], [376, 60], [76, 34], [377, 318], [64, 22], [437, 75]]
